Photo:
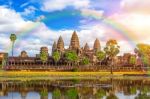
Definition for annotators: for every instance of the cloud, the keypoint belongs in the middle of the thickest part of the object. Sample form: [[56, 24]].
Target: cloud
[[24, 4], [29, 10], [11, 21], [138, 6], [137, 23], [54, 5], [92, 13], [40, 18]]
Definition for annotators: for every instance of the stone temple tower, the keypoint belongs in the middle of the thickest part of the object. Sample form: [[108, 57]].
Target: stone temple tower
[[54, 47], [86, 47], [60, 44], [74, 44], [96, 46], [24, 54]]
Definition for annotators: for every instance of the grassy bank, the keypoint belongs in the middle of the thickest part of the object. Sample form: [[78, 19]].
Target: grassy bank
[[62, 74]]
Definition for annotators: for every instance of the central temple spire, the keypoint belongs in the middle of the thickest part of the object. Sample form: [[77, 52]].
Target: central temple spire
[[60, 44], [74, 44], [96, 46]]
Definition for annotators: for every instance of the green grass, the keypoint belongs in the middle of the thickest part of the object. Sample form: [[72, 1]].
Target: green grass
[[61, 74]]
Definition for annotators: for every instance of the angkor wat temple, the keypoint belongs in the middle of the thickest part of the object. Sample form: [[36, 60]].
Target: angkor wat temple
[[23, 61]]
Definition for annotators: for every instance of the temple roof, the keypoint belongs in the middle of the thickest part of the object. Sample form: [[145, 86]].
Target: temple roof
[[54, 45], [60, 44], [96, 44], [86, 47], [24, 54], [74, 41]]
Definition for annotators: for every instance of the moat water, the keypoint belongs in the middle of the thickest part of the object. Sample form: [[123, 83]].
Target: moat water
[[102, 88]]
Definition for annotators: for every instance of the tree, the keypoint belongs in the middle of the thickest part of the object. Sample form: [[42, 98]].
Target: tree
[[85, 61], [100, 56], [71, 56], [56, 94], [44, 56], [56, 56], [143, 52], [111, 50], [13, 38], [132, 60]]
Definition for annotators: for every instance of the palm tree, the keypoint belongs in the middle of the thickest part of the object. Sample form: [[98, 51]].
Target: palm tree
[[56, 56], [13, 38], [111, 50]]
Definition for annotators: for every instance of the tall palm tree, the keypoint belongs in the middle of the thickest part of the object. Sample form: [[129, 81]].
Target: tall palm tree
[[13, 38]]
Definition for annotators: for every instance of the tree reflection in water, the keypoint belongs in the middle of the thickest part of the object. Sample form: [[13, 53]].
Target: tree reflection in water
[[112, 96], [76, 89], [56, 94]]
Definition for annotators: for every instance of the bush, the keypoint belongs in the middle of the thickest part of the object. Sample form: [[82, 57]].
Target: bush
[[75, 70]]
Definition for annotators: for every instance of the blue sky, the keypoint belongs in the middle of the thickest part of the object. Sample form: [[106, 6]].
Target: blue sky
[[32, 9], [62, 17]]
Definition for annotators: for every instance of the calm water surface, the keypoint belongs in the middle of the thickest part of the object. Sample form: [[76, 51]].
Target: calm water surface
[[103, 88]]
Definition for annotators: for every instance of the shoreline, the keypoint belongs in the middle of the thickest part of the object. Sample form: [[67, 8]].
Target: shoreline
[[63, 74]]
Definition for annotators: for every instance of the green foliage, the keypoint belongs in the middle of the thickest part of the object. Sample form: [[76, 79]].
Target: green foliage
[[85, 61], [143, 51], [56, 56], [13, 37], [44, 92], [100, 55], [56, 94], [75, 70], [145, 60], [71, 56], [44, 56], [132, 60], [112, 48], [72, 93], [100, 94], [75, 81]]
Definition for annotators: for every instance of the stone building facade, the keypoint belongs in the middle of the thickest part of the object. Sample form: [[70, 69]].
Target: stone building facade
[[75, 46], [34, 62]]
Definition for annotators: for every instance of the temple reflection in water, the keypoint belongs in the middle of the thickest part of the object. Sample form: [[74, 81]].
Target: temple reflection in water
[[76, 89]]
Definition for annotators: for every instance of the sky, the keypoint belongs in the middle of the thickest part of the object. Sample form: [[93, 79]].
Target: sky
[[39, 23]]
